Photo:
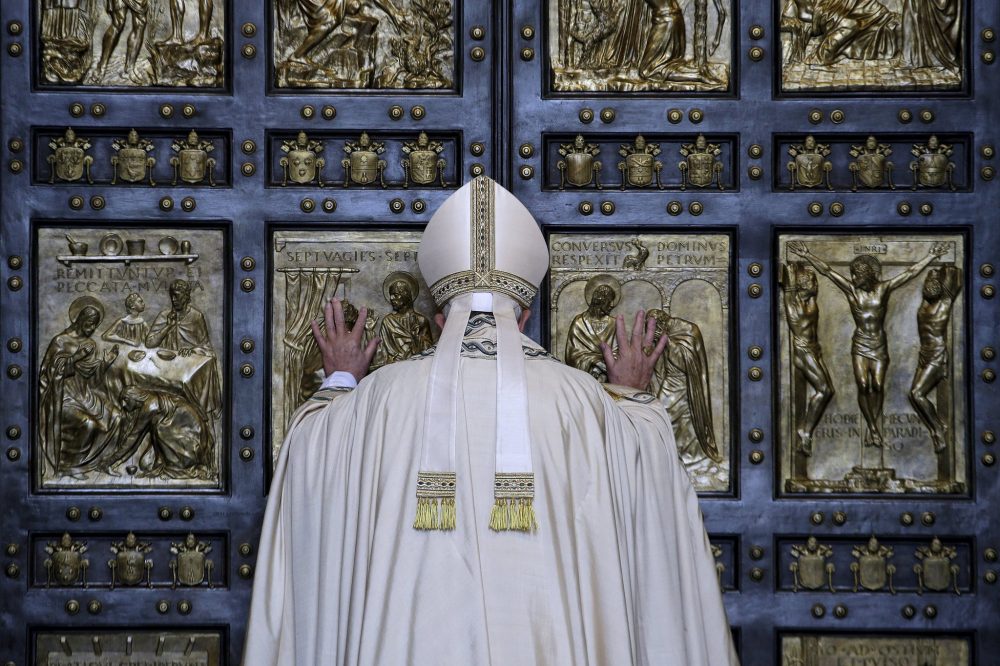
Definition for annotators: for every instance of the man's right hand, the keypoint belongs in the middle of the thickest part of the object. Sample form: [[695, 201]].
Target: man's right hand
[[637, 355], [341, 346]]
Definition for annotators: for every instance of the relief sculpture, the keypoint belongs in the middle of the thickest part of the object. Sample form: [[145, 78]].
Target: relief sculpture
[[132, 43], [407, 44], [850, 346], [375, 270], [681, 280], [640, 45], [135, 403], [874, 650]]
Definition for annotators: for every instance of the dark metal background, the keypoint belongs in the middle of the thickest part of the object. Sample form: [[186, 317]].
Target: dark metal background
[[503, 102]]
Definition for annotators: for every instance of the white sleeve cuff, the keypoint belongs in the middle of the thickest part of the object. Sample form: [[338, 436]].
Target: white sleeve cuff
[[339, 379]]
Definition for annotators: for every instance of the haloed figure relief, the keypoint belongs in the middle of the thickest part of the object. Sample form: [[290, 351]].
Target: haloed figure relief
[[875, 348], [125, 402], [364, 44], [174, 43], [871, 44], [682, 282], [640, 45]]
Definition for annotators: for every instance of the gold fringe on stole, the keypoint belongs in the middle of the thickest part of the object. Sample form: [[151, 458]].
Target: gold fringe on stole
[[435, 501], [513, 508]]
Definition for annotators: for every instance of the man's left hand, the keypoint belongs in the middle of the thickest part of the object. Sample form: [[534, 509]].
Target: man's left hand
[[341, 346]]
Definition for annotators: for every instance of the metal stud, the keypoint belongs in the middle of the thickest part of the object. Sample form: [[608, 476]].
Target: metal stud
[[13, 454], [477, 32], [930, 612], [990, 554], [818, 611], [836, 209], [904, 208], [249, 51], [166, 204], [756, 574], [607, 115], [756, 552], [755, 151], [756, 435], [15, 145], [184, 607], [988, 34], [188, 204], [527, 172], [756, 457], [586, 115], [164, 513], [189, 110], [755, 374], [755, 352], [906, 519], [905, 116], [95, 514], [329, 205], [94, 607], [909, 611], [245, 571], [73, 513], [76, 109], [247, 345], [674, 116], [14, 283], [755, 290], [926, 116], [248, 169], [755, 172], [162, 606], [987, 291], [585, 208], [13, 571], [308, 111], [928, 518], [840, 611], [478, 53], [987, 151], [14, 28], [97, 109], [477, 148], [696, 115], [675, 208], [16, 166], [246, 432], [246, 371], [72, 606], [756, 53], [14, 371], [186, 513], [839, 517], [248, 29], [15, 49], [248, 264], [815, 116], [418, 112], [990, 577], [418, 206], [816, 518], [97, 202], [11, 549], [989, 375], [837, 116], [397, 205], [755, 269], [477, 169], [15, 262], [607, 208], [987, 173], [527, 32], [329, 112], [166, 110], [815, 209], [527, 54], [696, 208], [76, 202], [988, 57], [248, 147], [989, 459], [307, 205], [246, 454], [396, 112], [245, 549], [526, 150], [13, 433]]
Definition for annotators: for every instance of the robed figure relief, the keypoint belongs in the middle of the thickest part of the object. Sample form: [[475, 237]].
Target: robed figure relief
[[594, 326], [404, 331]]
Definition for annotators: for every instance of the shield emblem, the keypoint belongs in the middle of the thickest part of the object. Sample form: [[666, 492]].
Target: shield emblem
[[364, 166], [193, 165], [809, 169], [301, 166], [191, 567], [812, 575], [937, 573], [700, 169], [423, 166], [871, 168], [67, 566], [132, 164], [639, 169], [932, 169], [69, 163], [579, 169], [130, 565], [872, 572]]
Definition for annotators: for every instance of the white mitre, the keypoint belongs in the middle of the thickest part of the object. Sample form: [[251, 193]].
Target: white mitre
[[481, 251]]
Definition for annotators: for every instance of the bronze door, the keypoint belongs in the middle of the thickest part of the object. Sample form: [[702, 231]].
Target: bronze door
[[801, 196]]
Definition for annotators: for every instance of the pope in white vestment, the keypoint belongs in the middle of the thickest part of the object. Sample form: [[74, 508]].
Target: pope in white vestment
[[602, 560]]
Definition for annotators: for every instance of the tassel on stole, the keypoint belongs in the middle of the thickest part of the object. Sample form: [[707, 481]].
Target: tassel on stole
[[435, 501], [513, 515]]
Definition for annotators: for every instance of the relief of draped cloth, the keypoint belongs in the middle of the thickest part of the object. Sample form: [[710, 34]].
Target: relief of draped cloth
[[181, 438], [625, 46], [583, 345], [191, 332], [665, 45], [932, 33], [314, 12], [856, 29], [403, 335]]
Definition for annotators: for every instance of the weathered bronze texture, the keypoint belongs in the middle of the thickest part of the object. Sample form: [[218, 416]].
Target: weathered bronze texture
[[871, 166], [69, 160], [640, 165], [301, 163], [131, 646], [839, 648], [130, 564], [701, 165], [809, 166], [191, 566], [192, 163], [423, 164], [133, 161], [578, 166], [932, 168], [363, 166]]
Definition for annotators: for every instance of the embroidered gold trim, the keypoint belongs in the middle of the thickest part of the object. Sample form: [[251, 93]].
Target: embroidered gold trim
[[435, 501], [467, 281], [513, 508]]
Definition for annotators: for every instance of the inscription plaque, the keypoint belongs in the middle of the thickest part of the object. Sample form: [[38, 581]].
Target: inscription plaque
[[682, 280], [120, 648], [847, 650]]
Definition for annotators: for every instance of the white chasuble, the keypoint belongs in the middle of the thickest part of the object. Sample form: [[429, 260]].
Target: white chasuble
[[619, 570]]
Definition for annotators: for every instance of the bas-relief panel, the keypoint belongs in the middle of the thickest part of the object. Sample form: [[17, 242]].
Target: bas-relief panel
[[683, 281], [112, 648], [132, 43], [374, 269], [130, 331], [408, 44], [831, 45], [842, 649], [640, 45], [872, 363]]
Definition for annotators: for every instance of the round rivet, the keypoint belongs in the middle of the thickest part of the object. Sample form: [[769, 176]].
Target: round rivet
[[16, 166], [307, 205], [95, 514], [585, 208], [930, 612], [755, 290], [607, 208], [926, 116], [607, 115], [696, 115], [755, 269], [247, 345], [986, 291], [840, 611], [527, 172], [13, 454], [756, 552], [246, 432], [990, 554], [526, 150], [94, 607], [308, 111], [15, 262], [97, 109], [186, 513], [990, 577], [246, 454], [755, 352], [989, 459], [249, 51], [586, 115], [245, 571], [988, 56], [72, 606], [248, 147], [184, 607], [329, 112], [248, 29], [904, 208], [989, 375], [756, 53], [987, 151], [247, 284], [818, 610], [989, 437], [675, 208], [477, 148], [756, 457], [188, 204], [11, 549], [14, 433], [12, 571], [477, 170], [329, 205], [397, 205], [248, 264], [417, 112], [987, 173], [696, 208], [755, 172], [246, 371], [166, 110], [836, 209], [15, 49], [839, 517], [815, 209], [14, 283], [837, 116], [166, 203], [905, 115], [14, 27], [756, 574], [927, 518], [164, 513], [755, 374], [73, 513], [816, 518], [248, 169], [815, 116], [14, 371], [162, 606], [477, 32], [988, 34], [15, 145], [756, 32], [396, 112], [527, 54], [76, 109], [76, 202], [756, 435], [906, 518], [418, 206], [97, 202], [755, 151], [188, 110], [675, 116], [528, 32], [478, 53], [909, 611], [245, 549]]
